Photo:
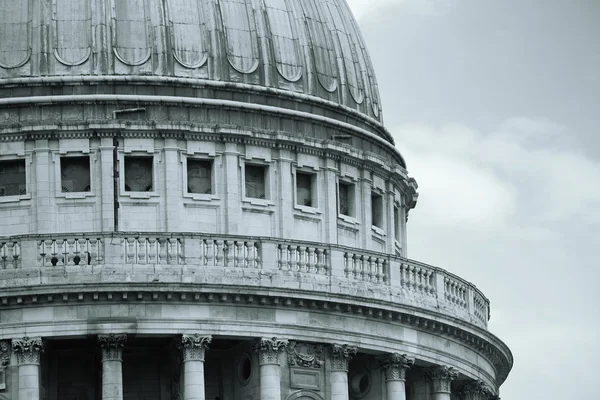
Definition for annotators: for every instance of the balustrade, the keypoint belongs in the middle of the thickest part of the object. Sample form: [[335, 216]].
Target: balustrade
[[230, 253], [9, 254], [366, 267], [70, 251], [480, 307], [417, 278], [455, 292], [310, 259], [152, 250]]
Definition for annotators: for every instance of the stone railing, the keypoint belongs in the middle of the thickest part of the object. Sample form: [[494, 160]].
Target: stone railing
[[357, 272]]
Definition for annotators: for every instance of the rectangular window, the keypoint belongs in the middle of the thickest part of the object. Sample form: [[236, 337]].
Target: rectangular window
[[377, 210], [346, 199], [12, 178], [305, 193], [138, 174], [199, 175], [397, 223], [255, 177], [75, 174]]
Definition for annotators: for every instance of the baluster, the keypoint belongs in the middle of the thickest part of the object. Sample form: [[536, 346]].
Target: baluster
[[7, 257], [302, 259], [239, 259], [48, 252], [162, 250], [172, 251], [152, 251], [68, 252], [311, 264], [257, 251], [100, 252], [209, 251], [320, 265], [281, 259], [92, 251], [142, 250], [77, 260], [381, 270], [61, 247], [230, 253], [250, 248], [219, 253], [293, 258]]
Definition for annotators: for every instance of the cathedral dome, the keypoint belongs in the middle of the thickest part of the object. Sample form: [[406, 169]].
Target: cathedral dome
[[310, 51]]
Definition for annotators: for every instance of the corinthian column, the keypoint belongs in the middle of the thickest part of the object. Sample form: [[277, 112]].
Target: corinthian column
[[28, 353], [340, 356], [395, 366], [475, 390], [440, 380], [112, 365], [270, 374], [194, 347]]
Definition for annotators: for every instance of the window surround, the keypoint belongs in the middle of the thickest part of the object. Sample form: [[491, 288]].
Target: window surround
[[138, 153], [350, 219], [314, 171], [208, 197], [19, 197], [379, 231], [252, 201], [56, 157]]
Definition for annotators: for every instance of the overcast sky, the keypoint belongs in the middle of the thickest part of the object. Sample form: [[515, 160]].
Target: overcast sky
[[496, 107]]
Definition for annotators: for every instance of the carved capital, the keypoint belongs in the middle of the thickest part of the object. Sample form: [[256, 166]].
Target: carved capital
[[112, 346], [440, 379], [305, 355], [475, 390], [340, 356], [4, 353], [28, 351], [268, 350], [395, 366], [194, 346]]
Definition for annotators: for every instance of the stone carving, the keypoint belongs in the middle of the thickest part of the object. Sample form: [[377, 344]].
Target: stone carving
[[112, 346], [305, 355], [441, 378], [340, 356], [4, 353], [475, 390], [268, 350], [194, 346], [395, 366], [28, 350]]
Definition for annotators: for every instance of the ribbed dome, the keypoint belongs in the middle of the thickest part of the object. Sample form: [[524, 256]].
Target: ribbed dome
[[309, 47]]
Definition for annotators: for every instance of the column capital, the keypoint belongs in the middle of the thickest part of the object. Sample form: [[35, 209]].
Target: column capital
[[112, 346], [340, 356], [28, 350], [194, 346], [268, 350], [395, 366], [475, 390], [440, 378]]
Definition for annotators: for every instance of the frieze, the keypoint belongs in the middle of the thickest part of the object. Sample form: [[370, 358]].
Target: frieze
[[305, 355], [28, 350], [112, 346], [340, 356], [395, 366], [194, 346], [268, 350]]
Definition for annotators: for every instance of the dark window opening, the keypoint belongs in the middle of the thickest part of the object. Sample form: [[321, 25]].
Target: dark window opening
[[199, 176], [75, 174], [304, 189], [12, 178], [255, 177], [138, 174], [397, 223], [377, 210], [346, 199]]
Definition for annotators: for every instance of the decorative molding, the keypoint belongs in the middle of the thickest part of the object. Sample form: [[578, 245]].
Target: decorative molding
[[305, 355], [475, 390], [28, 350], [268, 350], [340, 356], [395, 366], [112, 346], [194, 346], [440, 379], [4, 353]]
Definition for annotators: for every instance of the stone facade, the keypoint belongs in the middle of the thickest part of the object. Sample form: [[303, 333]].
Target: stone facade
[[199, 201]]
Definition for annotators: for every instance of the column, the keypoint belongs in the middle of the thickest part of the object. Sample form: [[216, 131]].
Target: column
[[112, 365], [395, 366], [270, 374], [340, 356], [194, 347], [440, 380], [475, 390], [28, 353], [105, 185]]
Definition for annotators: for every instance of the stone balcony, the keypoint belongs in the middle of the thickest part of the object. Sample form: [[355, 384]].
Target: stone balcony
[[199, 264]]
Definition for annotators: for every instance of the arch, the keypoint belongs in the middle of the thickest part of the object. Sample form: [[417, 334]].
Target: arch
[[304, 395]]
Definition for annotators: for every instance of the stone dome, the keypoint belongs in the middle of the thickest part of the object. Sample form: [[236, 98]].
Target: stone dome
[[310, 49]]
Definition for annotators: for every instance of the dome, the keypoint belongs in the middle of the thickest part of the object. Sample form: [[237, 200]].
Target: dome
[[312, 50]]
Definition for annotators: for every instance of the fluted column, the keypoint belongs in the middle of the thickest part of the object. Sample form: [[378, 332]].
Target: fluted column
[[475, 390], [112, 365], [395, 366], [440, 380], [270, 373], [340, 356], [28, 353], [194, 347]]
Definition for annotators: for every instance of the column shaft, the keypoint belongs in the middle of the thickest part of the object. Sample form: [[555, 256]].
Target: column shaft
[[112, 380], [29, 382], [339, 385], [396, 390], [270, 378], [193, 380]]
